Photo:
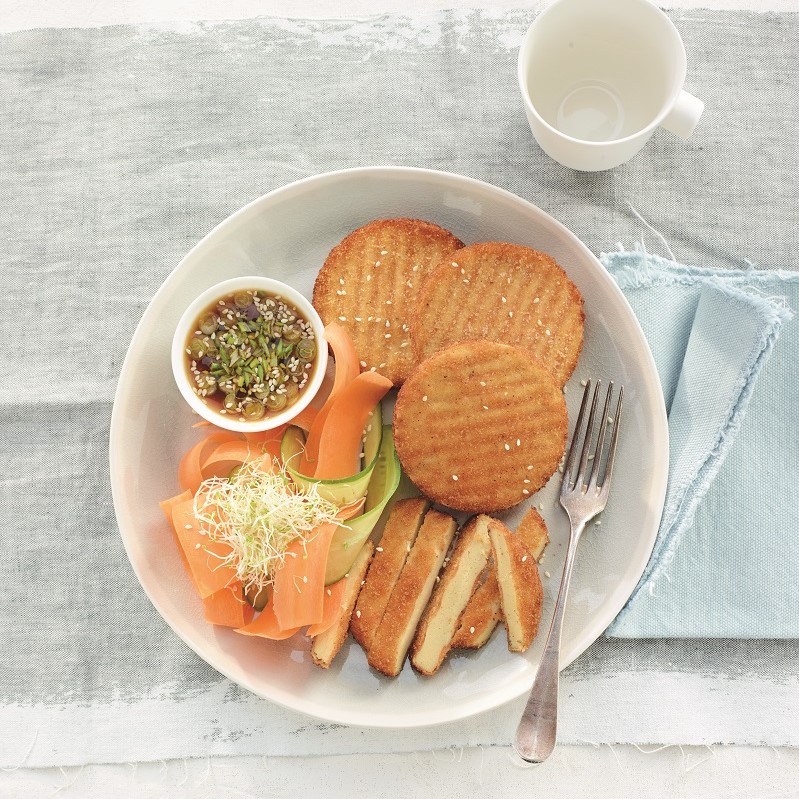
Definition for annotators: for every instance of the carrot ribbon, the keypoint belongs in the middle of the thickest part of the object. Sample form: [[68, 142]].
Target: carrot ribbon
[[298, 597]]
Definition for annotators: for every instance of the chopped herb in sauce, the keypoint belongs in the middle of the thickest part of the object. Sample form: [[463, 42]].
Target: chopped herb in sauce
[[250, 354]]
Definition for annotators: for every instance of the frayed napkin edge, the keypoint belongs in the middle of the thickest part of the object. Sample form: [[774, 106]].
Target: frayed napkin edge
[[693, 488], [638, 269]]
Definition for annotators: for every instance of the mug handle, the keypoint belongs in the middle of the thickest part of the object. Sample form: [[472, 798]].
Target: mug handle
[[684, 115]]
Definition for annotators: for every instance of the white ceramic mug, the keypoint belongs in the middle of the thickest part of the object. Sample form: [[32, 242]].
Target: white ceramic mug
[[597, 78]]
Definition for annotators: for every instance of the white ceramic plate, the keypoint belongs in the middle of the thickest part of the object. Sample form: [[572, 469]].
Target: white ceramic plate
[[286, 235]]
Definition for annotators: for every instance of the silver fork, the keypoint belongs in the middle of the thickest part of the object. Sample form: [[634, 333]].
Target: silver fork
[[583, 494]]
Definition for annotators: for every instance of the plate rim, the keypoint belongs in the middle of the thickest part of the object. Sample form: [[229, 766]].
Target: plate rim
[[598, 623]]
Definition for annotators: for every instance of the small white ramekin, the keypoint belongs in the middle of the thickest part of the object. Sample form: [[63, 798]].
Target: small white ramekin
[[186, 326]]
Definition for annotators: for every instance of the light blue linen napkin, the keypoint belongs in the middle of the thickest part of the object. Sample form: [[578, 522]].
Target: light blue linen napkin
[[726, 559]]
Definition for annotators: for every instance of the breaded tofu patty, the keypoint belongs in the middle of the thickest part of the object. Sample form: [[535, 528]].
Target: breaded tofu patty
[[480, 426], [506, 293], [369, 284]]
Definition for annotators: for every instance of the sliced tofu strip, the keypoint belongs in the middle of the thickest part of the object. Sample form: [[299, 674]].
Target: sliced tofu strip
[[520, 588], [482, 614], [484, 610], [450, 596], [393, 636], [532, 531], [398, 537], [326, 646]]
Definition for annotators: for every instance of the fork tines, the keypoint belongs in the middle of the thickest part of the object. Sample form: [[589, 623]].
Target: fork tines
[[595, 455]]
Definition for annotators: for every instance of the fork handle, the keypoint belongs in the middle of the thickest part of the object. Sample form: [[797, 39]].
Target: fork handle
[[537, 730]]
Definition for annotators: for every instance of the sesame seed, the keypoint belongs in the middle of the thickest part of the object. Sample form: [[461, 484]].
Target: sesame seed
[[610, 420], [547, 574], [368, 277], [363, 364], [471, 630], [388, 323], [565, 389], [342, 318], [358, 319], [518, 442], [510, 314], [455, 264], [507, 446], [525, 491], [377, 263], [384, 252], [415, 268], [536, 300], [388, 335], [358, 613], [404, 344], [378, 549], [485, 407], [454, 476], [547, 331], [197, 546], [341, 281], [482, 382], [504, 300], [383, 365], [424, 398], [373, 369], [583, 383], [329, 592], [463, 271], [409, 284], [466, 280], [598, 522], [526, 480], [388, 302], [524, 558]]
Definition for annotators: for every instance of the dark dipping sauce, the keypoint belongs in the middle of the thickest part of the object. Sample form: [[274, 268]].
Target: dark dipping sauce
[[250, 355]]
